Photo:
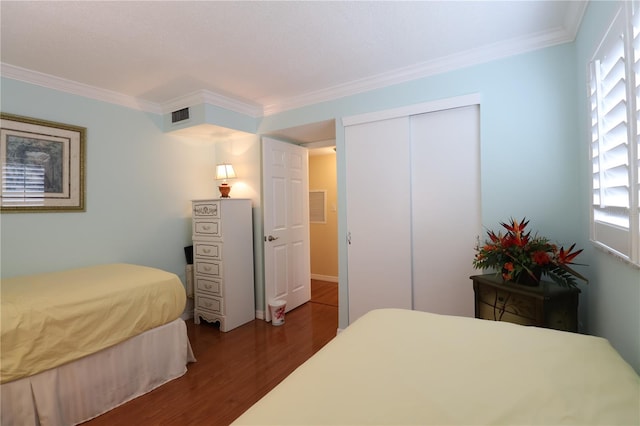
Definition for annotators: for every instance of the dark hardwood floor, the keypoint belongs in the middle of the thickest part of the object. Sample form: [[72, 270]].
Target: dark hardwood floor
[[324, 292], [234, 369]]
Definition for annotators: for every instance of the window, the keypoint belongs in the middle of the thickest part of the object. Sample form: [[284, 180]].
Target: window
[[614, 77]]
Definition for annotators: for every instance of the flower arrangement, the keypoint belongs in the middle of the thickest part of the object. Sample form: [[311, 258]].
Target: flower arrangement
[[521, 257]]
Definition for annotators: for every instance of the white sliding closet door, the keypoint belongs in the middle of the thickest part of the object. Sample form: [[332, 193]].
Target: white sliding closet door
[[413, 209], [378, 215], [445, 197]]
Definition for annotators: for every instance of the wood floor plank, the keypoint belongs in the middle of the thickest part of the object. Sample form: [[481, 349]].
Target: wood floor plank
[[324, 292], [233, 369]]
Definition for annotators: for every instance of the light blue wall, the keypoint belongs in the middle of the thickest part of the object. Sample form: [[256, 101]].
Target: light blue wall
[[139, 183], [614, 291], [529, 143], [534, 163]]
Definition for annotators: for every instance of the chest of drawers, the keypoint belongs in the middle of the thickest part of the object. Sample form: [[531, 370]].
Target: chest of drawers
[[222, 234], [547, 305]]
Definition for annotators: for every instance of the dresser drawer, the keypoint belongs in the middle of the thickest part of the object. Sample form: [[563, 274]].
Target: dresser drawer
[[209, 286], [546, 305], [208, 267], [495, 314], [210, 304], [206, 209], [212, 250], [562, 318], [512, 303], [207, 228]]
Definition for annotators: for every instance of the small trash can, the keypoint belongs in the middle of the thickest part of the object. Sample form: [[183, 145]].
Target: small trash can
[[277, 308]]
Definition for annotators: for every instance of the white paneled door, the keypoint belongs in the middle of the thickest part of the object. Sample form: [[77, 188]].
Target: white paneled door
[[413, 210], [285, 169]]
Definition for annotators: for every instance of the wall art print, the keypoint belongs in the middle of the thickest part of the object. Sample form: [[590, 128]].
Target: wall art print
[[42, 165]]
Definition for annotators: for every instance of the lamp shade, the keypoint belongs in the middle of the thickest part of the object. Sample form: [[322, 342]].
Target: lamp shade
[[225, 171]]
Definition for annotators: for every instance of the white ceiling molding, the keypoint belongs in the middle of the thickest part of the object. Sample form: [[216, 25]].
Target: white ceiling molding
[[426, 69], [75, 88], [573, 17], [216, 99], [84, 90], [565, 33]]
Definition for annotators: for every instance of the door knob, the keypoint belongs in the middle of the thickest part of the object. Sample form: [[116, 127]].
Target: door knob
[[272, 238]]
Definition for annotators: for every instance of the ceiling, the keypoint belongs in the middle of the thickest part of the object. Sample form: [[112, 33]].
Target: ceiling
[[261, 57]]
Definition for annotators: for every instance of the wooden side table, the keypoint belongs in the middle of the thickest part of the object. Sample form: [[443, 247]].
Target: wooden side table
[[548, 305]]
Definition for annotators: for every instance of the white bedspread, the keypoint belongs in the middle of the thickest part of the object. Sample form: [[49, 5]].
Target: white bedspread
[[414, 368]]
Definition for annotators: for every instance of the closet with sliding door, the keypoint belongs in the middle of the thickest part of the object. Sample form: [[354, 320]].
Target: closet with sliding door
[[413, 207]]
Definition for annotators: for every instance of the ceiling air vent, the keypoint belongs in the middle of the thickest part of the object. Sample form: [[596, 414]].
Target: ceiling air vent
[[180, 115]]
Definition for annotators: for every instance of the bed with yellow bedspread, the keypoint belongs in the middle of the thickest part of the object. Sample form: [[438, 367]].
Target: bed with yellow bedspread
[[401, 367], [52, 322]]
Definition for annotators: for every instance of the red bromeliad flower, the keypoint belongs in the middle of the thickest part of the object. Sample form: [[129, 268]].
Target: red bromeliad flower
[[507, 271], [518, 254], [516, 232], [541, 257], [566, 257], [495, 238]]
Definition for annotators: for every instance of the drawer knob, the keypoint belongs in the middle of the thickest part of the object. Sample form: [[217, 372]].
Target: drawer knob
[[207, 250], [207, 268], [206, 227]]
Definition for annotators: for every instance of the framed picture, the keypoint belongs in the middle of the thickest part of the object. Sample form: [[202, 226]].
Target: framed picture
[[42, 165]]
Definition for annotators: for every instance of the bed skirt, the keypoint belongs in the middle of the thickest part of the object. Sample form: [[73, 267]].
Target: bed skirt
[[85, 388]]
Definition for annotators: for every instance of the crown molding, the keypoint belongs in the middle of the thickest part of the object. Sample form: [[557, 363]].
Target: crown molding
[[75, 88], [573, 17], [426, 69], [271, 106], [208, 97], [87, 91]]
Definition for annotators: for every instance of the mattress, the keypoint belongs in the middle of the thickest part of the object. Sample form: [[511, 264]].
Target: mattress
[[406, 367], [48, 320]]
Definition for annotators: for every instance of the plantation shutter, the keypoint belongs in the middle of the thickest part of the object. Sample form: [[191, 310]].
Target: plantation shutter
[[614, 137]]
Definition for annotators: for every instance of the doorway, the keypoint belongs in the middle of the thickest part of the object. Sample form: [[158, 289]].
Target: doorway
[[319, 139], [323, 225]]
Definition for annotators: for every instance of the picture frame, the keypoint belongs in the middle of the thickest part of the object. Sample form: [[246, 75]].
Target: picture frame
[[43, 165]]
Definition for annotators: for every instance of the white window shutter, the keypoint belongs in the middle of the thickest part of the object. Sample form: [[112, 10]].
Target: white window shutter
[[635, 147], [615, 124]]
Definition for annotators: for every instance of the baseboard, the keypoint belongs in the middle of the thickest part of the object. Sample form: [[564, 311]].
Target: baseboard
[[259, 314], [328, 278]]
